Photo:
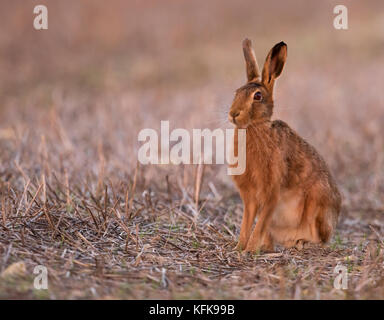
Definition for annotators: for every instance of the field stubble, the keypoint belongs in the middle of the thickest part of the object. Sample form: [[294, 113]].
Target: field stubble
[[72, 197]]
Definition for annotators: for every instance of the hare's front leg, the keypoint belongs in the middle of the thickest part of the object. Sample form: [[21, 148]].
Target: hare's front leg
[[250, 209], [260, 238]]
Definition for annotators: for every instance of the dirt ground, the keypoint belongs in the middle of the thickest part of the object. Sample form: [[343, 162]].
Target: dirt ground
[[74, 97]]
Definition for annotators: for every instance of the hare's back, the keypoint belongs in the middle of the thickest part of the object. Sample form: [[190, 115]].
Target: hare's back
[[294, 147], [303, 163]]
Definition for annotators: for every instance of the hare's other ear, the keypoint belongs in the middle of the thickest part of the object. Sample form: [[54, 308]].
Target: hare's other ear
[[274, 63], [253, 72]]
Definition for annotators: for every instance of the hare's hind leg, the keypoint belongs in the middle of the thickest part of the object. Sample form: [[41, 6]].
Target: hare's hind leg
[[307, 230], [287, 226], [316, 224], [295, 221], [324, 224], [301, 219], [318, 231]]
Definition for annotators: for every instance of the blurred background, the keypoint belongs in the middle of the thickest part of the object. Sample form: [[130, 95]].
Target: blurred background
[[76, 95]]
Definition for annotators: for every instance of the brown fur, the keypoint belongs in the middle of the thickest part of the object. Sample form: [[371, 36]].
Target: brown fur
[[286, 183]]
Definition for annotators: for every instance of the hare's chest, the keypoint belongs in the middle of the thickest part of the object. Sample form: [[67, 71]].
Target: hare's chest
[[253, 183]]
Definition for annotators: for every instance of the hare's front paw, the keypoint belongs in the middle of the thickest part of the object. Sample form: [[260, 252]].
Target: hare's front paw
[[253, 248], [257, 246], [240, 246], [258, 249], [301, 244]]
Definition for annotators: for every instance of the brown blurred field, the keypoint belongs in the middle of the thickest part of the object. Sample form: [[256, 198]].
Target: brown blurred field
[[74, 97]]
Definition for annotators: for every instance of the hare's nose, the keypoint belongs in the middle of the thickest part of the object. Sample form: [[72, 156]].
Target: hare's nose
[[234, 115]]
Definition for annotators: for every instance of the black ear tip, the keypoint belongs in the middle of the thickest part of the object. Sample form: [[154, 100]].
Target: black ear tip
[[278, 47]]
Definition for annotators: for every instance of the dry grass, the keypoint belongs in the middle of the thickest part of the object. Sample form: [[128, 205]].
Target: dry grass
[[72, 197]]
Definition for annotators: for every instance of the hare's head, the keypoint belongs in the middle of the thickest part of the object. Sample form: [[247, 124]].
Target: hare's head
[[253, 102]]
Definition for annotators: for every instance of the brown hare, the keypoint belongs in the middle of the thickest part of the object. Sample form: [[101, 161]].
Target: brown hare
[[286, 184]]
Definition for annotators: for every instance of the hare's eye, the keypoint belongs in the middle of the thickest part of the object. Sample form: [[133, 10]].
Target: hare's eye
[[258, 96]]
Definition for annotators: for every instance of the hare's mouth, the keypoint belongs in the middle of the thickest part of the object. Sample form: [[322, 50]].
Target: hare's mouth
[[242, 126], [242, 123], [239, 122]]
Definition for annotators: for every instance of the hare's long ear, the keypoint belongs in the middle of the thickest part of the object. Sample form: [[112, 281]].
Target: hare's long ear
[[274, 63], [253, 72]]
